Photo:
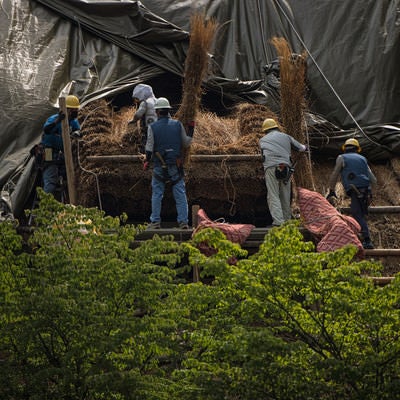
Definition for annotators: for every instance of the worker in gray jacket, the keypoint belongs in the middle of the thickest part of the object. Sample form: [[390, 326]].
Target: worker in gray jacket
[[276, 149]]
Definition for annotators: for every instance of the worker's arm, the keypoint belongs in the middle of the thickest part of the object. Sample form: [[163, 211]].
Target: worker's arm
[[186, 140], [297, 145], [372, 177], [149, 148], [52, 122], [336, 172], [139, 112]]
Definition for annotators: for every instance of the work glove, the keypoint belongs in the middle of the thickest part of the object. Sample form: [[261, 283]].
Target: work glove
[[61, 117], [145, 166], [191, 126]]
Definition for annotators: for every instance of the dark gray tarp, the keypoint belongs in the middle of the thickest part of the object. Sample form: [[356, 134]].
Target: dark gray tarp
[[354, 48], [43, 50], [106, 47]]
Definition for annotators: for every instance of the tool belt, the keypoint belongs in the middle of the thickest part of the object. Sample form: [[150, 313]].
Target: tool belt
[[53, 156], [166, 178], [283, 172], [46, 156], [364, 195]]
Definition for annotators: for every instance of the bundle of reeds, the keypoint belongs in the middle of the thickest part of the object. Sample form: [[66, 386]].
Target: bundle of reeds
[[251, 116], [293, 105], [201, 37]]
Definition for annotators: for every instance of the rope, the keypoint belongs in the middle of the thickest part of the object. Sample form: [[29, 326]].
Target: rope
[[2, 7], [224, 167]]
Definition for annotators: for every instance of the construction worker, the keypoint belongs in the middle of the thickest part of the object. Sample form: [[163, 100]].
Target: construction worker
[[52, 142], [357, 179], [165, 139], [145, 100], [276, 149]]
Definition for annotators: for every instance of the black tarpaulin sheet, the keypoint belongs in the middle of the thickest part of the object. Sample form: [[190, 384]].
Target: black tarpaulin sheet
[[353, 46], [378, 142], [43, 49]]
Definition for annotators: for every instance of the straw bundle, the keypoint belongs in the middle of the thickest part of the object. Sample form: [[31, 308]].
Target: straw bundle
[[213, 133], [104, 132], [196, 65], [293, 104]]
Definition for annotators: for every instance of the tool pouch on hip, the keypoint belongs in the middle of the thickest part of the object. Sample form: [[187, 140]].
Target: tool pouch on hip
[[48, 154], [282, 172]]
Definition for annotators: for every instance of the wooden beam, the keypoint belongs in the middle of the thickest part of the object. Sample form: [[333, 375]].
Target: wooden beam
[[69, 164], [198, 157], [383, 252], [376, 209], [381, 280]]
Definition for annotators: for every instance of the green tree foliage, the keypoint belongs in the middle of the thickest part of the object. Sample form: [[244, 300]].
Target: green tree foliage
[[290, 323], [86, 315]]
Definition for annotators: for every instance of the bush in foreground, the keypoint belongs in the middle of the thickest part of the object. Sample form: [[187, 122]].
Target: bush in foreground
[[84, 315]]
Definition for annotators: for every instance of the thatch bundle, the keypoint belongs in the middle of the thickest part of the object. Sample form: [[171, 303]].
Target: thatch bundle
[[231, 189], [223, 188], [293, 105], [196, 66], [104, 132]]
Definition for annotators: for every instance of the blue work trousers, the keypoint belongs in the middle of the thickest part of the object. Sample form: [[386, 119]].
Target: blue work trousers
[[359, 210], [51, 177], [178, 191]]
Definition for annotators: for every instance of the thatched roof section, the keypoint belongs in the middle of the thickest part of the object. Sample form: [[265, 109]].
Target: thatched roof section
[[223, 188]]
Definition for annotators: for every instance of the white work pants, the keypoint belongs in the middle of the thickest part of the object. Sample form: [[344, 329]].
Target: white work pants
[[278, 197]]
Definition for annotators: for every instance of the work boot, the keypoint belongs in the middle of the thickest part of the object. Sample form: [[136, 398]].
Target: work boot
[[153, 225], [183, 225], [367, 244]]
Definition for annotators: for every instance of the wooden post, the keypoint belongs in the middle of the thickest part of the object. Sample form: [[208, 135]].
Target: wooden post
[[195, 222], [195, 210], [69, 164]]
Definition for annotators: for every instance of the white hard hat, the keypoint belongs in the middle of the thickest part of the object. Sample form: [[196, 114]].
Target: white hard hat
[[162, 102]]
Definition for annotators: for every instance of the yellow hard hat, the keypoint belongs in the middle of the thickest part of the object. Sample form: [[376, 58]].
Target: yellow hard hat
[[268, 124], [351, 142], [72, 101]]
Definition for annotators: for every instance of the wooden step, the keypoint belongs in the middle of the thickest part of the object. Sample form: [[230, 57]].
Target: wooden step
[[255, 238], [382, 252], [375, 210]]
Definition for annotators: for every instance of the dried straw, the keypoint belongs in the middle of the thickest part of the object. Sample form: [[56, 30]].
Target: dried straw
[[196, 65], [293, 104]]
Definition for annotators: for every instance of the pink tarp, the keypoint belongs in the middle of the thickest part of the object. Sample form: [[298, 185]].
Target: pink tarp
[[332, 229]]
